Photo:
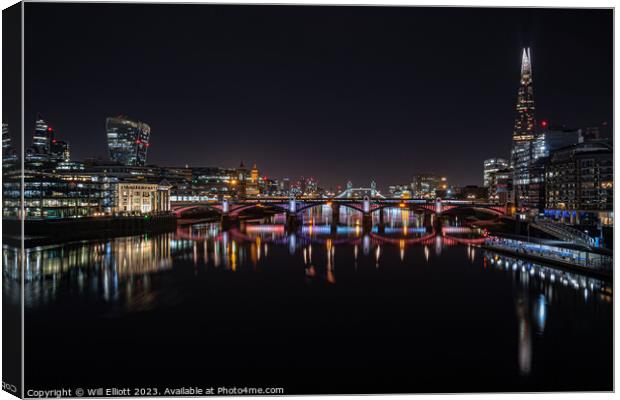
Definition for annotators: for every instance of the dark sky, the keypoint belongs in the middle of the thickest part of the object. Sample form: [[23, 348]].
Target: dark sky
[[338, 93]]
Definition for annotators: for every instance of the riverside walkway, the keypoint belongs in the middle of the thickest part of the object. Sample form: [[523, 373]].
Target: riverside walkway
[[582, 260]]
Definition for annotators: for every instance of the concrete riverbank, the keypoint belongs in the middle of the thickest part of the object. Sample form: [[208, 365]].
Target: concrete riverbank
[[50, 231]]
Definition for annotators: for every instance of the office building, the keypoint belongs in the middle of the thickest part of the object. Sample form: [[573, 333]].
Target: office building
[[549, 139], [58, 195], [424, 185], [9, 155], [128, 140], [46, 151], [500, 186], [493, 165], [142, 197], [400, 191], [579, 183]]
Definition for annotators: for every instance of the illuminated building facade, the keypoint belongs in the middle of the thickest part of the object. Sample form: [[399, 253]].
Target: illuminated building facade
[[9, 155], [128, 140], [39, 152], [524, 132], [242, 176], [58, 195], [46, 151], [59, 151], [493, 165], [500, 186], [43, 135], [208, 183], [579, 183], [270, 187], [285, 186], [402, 191], [307, 186], [472, 193], [550, 139], [142, 197], [252, 185], [425, 185]]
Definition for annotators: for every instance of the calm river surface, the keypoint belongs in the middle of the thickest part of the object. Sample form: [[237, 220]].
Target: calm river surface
[[318, 311]]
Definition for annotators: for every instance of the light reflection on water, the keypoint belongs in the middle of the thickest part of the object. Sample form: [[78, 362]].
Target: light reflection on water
[[104, 265], [536, 288], [120, 270]]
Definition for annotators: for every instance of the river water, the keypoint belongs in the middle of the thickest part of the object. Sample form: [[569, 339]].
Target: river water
[[317, 310]]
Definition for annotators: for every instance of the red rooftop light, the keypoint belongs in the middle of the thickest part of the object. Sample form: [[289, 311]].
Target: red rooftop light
[[544, 123]]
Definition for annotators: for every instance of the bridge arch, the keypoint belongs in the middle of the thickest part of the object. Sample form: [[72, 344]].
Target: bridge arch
[[309, 206], [179, 211], [408, 206], [373, 206], [236, 211], [475, 207], [323, 203]]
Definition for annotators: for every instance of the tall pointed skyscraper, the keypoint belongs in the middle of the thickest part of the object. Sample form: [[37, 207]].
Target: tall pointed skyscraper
[[524, 132]]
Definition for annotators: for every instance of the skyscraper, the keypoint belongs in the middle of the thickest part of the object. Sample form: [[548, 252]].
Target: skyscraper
[[46, 150], [548, 140], [524, 131], [43, 134], [425, 184], [9, 155], [128, 140], [59, 151], [39, 152], [492, 165]]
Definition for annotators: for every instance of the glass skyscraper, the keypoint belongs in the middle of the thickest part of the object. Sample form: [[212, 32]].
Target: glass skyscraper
[[9, 155], [39, 152], [43, 134], [46, 150], [524, 132], [490, 166], [128, 140]]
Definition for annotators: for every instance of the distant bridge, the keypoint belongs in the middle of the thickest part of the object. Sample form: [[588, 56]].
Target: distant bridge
[[352, 192]]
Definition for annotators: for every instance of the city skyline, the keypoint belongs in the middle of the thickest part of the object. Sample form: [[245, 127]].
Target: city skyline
[[258, 104], [214, 199]]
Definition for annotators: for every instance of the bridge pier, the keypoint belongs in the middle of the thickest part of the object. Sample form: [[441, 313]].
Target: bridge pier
[[335, 217], [437, 224], [335, 212], [292, 221], [367, 222], [366, 215], [428, 219], [228, 221], [381, 226]]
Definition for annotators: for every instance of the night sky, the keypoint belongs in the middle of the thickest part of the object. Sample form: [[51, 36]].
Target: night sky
[[336, 93]]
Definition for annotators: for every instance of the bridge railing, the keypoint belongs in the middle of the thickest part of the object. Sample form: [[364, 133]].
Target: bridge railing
[[565, 232]]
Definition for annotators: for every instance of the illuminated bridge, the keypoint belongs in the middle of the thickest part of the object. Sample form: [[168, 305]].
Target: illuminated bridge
[[294, 207]]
